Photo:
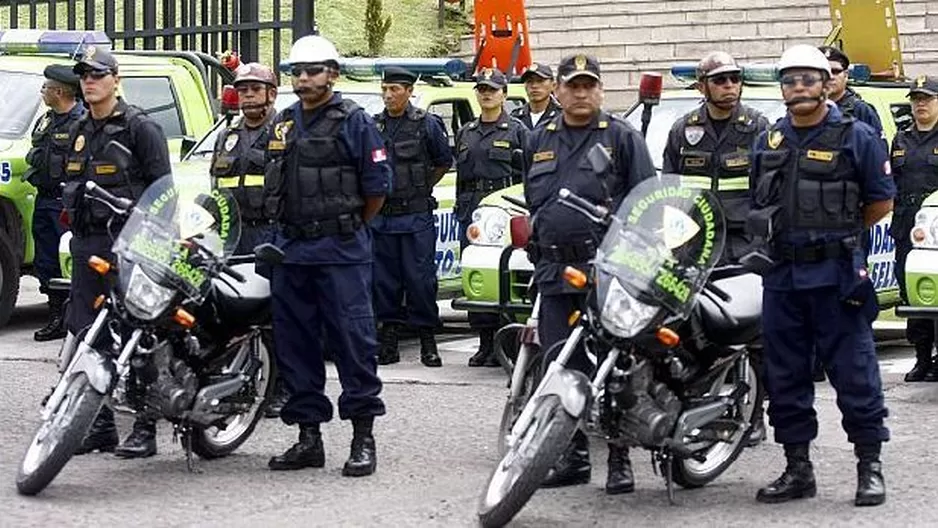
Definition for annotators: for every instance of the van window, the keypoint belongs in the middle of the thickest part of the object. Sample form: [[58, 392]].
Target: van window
[[155, 95], [455, 113]]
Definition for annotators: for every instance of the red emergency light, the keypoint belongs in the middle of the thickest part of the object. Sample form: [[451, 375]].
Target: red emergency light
[[649, 88], [229, 99], [520, 227]]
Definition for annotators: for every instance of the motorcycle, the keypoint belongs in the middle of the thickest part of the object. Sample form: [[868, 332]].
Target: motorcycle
[[181, 334], [670, 339]]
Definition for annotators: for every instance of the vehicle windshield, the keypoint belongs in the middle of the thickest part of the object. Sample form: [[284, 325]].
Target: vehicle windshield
[[372, 103], [663, 243], [172, 220], [670, 110], [20, 95]]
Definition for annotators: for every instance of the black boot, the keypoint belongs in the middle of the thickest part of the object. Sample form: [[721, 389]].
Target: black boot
[[923, 364], [102, 436], [574, 465], [278, 399], [429, 355], [932, 373], [619, 478], [362, 459], [308, 452], [485, 357], [55, 328], [871, 486], [818, 369], [388, 337], [797, 482], [141, 442]]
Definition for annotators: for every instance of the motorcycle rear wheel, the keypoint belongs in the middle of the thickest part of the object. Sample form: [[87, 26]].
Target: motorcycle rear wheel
[[520, 472], [57, 438]]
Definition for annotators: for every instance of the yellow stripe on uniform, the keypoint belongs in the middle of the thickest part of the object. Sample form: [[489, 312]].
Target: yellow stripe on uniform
[[733, 184], [228, 182], [253, 180], [695, 182]]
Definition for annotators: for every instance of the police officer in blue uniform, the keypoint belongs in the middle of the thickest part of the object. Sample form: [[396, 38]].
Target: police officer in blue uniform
[[404, 231], [556, 158], [327, 176], [849, 101], [46, 172], [109, 118], [915, 170], [542, 106], [485, 163], [819, 179]]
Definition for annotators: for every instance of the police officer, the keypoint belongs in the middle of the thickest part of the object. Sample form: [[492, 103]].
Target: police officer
[[915, 171], [556, 157], [46, 172], [486, 162], [709, 148], [327, 177], [822, 179], [109, 118], [404, 231], [849, 102], [541, 107]]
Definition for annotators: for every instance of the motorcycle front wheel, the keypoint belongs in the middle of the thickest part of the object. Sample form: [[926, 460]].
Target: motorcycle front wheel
[[520, 472], [57, 438], [518, 397]]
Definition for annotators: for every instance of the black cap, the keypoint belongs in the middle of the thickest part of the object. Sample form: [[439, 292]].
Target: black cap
[[924, 84], [398, 75], [836, 55], [491, 77], [577, 65], [96, 58], [537, 69], [62, 74]]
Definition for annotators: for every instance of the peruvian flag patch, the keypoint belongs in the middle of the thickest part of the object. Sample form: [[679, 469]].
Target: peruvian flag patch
[[379, 155]]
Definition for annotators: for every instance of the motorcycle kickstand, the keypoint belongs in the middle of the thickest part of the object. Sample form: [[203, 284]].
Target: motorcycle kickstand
[[669, 478], [190, 460]]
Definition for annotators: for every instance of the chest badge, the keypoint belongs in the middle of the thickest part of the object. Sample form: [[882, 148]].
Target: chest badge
[[79, 143], [43, 124], [282, 129], [775, 139], [546, 155], [231, 141], [693, 134]]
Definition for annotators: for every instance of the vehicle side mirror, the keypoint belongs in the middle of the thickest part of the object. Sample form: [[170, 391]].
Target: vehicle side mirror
[[599, 159], [118, 154], [188, 143]]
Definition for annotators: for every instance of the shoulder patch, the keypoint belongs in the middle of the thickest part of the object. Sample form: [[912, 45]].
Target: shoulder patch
[[775, 138]]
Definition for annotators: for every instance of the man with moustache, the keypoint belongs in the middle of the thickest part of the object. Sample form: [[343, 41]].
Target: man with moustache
[[541, 107]]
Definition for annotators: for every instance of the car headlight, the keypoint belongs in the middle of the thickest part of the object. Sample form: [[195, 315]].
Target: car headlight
[[145, 299], [925, 232], [623, 315], [489, 226]]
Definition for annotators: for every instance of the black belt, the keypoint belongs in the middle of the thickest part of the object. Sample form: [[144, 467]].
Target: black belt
[[344, 225], [840, 249], [483, 185], [46, 192], [566, 253], [261, 222], [397, 207]]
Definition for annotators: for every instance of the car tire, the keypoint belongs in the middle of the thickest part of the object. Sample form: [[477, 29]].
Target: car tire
[[9, 277]]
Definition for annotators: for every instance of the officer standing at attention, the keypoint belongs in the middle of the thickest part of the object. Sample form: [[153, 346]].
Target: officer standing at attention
[[404, 231], [849, 102], [46, 172], [556, 158], [915, 170], [485, 163], [109, 118], [823, 179], [327, 177], [541, 107], [709, 148]]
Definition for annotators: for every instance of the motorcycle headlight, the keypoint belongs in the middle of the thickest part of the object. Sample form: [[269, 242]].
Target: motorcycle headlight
[[489, 226], [925, 232], [623, 315], [145, 299]]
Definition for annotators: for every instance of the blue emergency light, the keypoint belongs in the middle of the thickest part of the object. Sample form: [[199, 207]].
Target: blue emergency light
[[765, 72], [367, 67], [41, 41]]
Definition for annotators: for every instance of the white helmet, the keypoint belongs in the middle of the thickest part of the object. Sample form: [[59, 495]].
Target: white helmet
[[804, 56], [312, 49]]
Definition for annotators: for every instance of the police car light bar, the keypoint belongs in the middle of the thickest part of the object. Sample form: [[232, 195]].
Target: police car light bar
[[366, 67], [42, 41], [765, 72]]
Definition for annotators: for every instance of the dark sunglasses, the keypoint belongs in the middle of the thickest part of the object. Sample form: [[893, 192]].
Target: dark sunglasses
[[95, 74], [837, 71], [720, 80], [308, 69], [807, 80]]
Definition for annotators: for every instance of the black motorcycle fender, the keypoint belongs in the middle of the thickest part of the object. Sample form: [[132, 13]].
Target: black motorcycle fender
[[572, 387]]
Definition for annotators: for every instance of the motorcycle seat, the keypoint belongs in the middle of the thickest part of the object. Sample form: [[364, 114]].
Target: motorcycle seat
[[745, 306], [247, 302]]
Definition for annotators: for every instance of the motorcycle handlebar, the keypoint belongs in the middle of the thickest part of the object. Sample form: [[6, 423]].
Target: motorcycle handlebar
[[228, 270], [95, 191], [716, 290], [597, 213]]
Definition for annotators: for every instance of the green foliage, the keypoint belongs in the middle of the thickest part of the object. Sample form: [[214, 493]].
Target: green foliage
[[376, 27]]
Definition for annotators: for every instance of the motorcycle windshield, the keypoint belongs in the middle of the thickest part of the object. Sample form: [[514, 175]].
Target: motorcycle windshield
[[178, 222], [662, 244]]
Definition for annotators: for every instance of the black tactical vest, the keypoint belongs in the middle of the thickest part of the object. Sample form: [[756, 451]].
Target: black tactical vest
[[915, 171], [848, 103], [46, 158], [720, 164], [238, 165], [483, 162], [412, 191], [312, 185], [817, 187], [86, 161]]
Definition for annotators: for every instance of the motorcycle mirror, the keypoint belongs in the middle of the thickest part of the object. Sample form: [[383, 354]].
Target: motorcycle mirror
[[599, 159], [117, 154], [517, 159], [268, 254]]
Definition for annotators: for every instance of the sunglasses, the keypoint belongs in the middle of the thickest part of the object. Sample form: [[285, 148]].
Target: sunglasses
[[95, 74], [720, 80], [837, 71], [308, 69], [806, 80]]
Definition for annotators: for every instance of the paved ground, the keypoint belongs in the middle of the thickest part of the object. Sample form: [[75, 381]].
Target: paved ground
[[436, 448]]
